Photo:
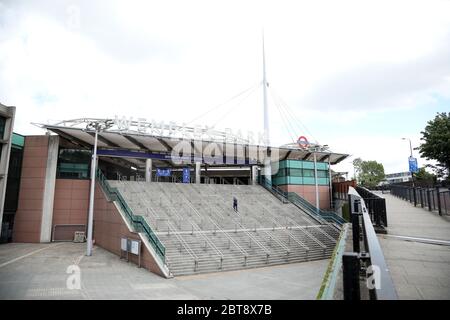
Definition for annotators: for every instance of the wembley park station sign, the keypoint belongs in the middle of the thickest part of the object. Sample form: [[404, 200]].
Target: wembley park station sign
[[196, 132], [234, 150]]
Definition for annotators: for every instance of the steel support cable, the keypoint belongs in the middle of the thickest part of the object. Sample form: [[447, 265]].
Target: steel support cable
[[288, 125], [293, 115], [235, 106], [302, 125], [297, 121], [290, 112], [285, 114], [224, 103]]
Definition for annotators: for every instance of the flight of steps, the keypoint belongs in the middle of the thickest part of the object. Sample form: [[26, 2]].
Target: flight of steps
[[202, 233]]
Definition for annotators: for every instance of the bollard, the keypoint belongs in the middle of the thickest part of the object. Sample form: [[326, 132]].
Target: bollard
[[351, 268]]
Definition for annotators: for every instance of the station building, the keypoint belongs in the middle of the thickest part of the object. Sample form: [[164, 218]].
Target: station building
[[48, 184]]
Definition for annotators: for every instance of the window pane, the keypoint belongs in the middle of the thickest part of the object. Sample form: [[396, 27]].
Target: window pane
[[2, 127], [308, 173], [73, 163], [322, 174], [295, 172]]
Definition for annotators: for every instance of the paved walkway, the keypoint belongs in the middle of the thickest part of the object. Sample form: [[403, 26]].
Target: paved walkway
[[39, 271], [419, 270]]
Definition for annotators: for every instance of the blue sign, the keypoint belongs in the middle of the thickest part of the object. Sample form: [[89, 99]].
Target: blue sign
[[413, 167], [186, 175], [163, 172]]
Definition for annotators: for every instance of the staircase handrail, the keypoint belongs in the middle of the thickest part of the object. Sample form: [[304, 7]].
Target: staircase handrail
[[137, 222]]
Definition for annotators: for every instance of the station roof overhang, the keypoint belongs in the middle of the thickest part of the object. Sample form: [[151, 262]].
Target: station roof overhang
[[137, 147]]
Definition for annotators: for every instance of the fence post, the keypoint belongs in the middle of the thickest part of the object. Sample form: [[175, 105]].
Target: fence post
[[355, 226], [429, 199], [378, 212], [438, 197], [415, 196], [351, 267], [350, 206], [422, 196]]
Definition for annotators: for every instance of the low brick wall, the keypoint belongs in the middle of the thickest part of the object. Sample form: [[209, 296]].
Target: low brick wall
[[110, 227]]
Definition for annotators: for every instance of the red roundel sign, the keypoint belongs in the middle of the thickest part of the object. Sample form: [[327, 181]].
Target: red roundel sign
[[302, 142]]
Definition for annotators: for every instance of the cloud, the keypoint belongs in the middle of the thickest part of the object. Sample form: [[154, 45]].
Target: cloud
[[174, 60], [384, 85]]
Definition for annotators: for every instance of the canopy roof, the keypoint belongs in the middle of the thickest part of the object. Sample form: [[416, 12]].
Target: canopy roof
[[138, 146]]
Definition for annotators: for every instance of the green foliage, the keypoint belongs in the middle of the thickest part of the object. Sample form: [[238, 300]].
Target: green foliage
[[357, 165], [424, 175], [370, 173], [436, 137]]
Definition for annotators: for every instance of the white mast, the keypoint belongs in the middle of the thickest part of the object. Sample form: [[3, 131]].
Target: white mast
[[265, 85], [267, 165]]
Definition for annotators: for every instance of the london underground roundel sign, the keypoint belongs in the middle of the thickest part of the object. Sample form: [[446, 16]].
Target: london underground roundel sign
[[303, 142]]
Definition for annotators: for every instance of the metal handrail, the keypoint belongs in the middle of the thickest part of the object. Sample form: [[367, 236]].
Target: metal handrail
[[184, 244], [312, 237], [267, 251], [270, 236], [287, 231], [137, 221], [305, 206], [386, 289], [194, 225], [307, 233], [325, 234], [197, 228], [242, 250], [312, 210], [290, 233]]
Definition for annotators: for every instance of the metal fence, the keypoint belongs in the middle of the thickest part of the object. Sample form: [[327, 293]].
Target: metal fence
[[376, 206], [366, 259], [434, 199], [316, 213]]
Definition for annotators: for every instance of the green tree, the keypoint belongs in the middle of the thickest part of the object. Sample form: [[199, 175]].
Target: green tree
[[436, 145], [357, 167], [371, 174], [424, 175]]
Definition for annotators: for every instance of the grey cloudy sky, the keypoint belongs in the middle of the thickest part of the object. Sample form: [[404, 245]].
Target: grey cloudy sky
[[359, 74]]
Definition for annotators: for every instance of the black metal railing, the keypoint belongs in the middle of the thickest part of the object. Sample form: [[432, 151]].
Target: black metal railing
[[376, 206], [366, 258], [434, 199], [292, 197]]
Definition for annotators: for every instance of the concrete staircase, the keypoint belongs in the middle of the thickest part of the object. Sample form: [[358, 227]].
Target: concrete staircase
[[202, 233]]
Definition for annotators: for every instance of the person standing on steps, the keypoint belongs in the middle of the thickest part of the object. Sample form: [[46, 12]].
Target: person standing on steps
[[235, 204]]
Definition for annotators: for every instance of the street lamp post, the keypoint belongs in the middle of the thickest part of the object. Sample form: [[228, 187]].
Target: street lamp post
[[314, 149], [317, 184], [96, 126]]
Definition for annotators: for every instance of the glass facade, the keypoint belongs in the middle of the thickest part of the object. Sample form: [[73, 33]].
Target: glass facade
[[12, 187], [73, 164], [301, 173], [2, 127]]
